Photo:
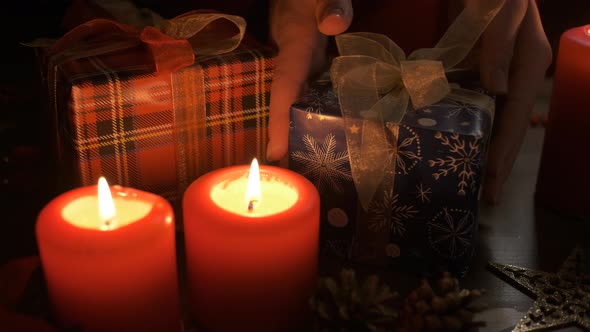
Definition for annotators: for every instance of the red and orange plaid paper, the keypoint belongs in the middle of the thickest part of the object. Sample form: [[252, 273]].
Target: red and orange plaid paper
[[158, 130]]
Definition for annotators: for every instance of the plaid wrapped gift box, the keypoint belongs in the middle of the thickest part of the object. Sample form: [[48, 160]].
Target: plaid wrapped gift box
[[117, 115]]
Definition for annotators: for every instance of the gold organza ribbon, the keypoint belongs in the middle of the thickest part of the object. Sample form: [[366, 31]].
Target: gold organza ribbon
[[193, 33], [173, 45], [375, 82], [208, 33]]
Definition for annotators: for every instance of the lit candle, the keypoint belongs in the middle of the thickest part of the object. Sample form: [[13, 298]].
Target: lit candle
[[109, 260], [251, 247], [563, 175]]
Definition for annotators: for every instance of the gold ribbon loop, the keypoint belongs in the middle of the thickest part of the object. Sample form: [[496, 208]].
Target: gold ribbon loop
[[208, 33], [375, 82], [370, 44], [425, 81]]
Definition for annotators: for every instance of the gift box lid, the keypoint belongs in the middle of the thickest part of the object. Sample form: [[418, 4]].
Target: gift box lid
[[442, 116]]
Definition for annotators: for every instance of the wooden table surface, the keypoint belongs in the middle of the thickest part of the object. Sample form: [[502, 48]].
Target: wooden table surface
[[519, 233]]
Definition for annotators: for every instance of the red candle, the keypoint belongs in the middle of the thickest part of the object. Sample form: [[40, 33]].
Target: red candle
[[251, 251], [110, 261], [563, 175]]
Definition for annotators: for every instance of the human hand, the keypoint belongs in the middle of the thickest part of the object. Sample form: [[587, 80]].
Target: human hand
[[515, 55], [300, 29]]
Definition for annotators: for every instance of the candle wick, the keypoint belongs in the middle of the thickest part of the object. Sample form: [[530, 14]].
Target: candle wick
[[251, 205], [108, 224]]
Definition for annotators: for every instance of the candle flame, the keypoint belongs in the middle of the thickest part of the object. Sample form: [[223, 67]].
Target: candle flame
[[106, 206], [253, 189], [588, 30]]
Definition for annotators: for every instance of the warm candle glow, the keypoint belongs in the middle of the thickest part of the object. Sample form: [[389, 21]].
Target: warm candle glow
[[105, 210], [110, 277], [253, 191], [106, 206], [239, 193], [250, 268], [588, 30]]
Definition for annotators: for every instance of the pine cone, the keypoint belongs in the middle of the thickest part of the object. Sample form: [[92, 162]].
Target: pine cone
[[346, 305], [443, 308]]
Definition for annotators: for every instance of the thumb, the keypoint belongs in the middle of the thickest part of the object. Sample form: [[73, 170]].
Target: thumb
[[333, 16], [497, 46]]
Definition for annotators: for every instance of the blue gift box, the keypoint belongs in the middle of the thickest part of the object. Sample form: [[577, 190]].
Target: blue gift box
[[430, 213]]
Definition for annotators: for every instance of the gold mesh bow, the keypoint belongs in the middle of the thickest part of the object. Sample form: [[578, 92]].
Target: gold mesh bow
[[375, 82], [208, 33]]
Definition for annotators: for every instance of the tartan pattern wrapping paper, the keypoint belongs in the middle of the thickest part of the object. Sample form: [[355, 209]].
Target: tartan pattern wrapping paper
[[158, 131]]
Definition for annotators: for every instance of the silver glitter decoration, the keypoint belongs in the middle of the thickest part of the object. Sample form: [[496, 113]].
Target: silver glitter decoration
[[562, 298]]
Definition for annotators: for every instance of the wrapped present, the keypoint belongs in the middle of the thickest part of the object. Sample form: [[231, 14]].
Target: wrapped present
[[155, 108], [396, 151]]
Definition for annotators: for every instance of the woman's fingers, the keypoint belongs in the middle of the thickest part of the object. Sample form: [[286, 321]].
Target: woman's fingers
[[532, 57], [295, 27]]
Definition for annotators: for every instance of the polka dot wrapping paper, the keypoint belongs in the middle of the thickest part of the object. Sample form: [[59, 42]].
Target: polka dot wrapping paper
[[424, 216]]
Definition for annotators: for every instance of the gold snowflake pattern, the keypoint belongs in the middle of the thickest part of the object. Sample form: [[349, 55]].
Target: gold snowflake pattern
[[340, 248], [463, 160], [455, 108], [423, 193], [388, 212], [451, 231], [408, 152], [318, 101], [320, 163]]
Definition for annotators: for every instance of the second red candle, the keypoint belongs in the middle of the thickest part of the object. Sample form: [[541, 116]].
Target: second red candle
[[251, 269]]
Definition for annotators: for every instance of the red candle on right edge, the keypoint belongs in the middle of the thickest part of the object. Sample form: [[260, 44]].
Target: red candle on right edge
[[564, 174]]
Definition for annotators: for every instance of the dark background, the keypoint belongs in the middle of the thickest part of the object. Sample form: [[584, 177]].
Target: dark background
[[24, 174]]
